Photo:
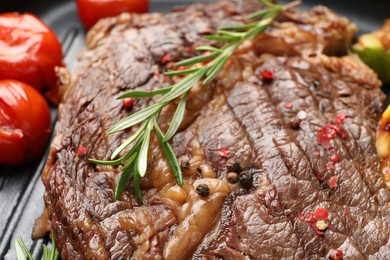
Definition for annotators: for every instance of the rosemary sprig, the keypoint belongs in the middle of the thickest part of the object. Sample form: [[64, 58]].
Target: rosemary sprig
[[136, 160], [22, 252]]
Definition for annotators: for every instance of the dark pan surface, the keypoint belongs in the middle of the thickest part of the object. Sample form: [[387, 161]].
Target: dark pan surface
[[21, 190]]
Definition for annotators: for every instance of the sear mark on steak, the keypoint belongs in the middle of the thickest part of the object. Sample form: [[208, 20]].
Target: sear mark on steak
[[284, 171]]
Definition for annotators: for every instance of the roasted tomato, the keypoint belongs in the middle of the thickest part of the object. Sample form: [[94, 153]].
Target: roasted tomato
[[24, 122], [29, 50], [90, 11]]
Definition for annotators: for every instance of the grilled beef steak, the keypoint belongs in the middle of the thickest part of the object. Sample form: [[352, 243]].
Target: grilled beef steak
[[283, 139]]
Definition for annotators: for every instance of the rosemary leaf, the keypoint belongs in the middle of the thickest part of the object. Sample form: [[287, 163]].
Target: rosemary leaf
[[170, 155], [135, 118], [177, 118], [220, 38], [196, 59], [172, 73], [137, 187], [144, 93], [240, 27], [185, 85], [21, 250], [107, 163], [128, 141], [215, 70], [268, 3], [208, 48], [127, 171], [143, 153], [258, 14], [233, 34]]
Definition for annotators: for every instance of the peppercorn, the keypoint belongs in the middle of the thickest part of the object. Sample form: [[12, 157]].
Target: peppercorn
[[184, 164], [234, 167], [335, 254], [295, 122], [203, 190], [232, 177], [245, 178]]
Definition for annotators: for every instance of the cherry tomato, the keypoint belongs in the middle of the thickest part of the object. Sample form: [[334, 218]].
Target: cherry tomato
[[90, 11], [24, 122], [29, 50]]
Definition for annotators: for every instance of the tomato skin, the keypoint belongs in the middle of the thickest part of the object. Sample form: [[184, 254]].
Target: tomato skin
[[29, 50], [90, 11], [24, 122]]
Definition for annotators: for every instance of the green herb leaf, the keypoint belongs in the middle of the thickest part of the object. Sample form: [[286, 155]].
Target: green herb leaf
[[258, 14], [170, 155], [135, 118], [137, 187], [177, 118], [240, 27], [220, 38], [208, 48], [127, 171], [143, 153], [195, 60], [107, 163], [21, 250], [233, 34], [129, 141], [144, 93], [186, 84], [172, 73], [213, 73]]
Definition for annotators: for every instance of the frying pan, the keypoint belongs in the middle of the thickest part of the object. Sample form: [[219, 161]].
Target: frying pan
[[21, 190]]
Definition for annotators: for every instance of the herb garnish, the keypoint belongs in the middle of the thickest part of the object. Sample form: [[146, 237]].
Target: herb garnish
[[22, 252], [136, 160]]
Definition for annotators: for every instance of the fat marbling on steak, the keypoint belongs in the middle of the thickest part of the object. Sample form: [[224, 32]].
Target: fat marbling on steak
[[271, 132]]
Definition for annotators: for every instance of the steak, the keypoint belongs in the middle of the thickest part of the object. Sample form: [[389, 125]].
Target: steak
[[275, 153]]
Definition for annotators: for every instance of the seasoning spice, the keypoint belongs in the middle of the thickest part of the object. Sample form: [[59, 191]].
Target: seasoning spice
[[234, 166], [185, 164], [302, 115], [340, 118], [245, 178], [165, 58], [203, 190], [232, 177], [335, 158], [81, 151], [224, 152], [295, 122], [288, 105], [128, 102], [332, 183], [328, 133], [330, 166], [267, 75], [318, 220], [335, 254]]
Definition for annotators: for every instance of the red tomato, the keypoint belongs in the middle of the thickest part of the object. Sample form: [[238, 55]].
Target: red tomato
[[24, 122], [90, 11], [29, 50]]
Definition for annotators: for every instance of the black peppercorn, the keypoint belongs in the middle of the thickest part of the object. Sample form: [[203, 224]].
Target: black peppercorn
[[234, 167], [203, 190], [184, 164], [245, 178], [295, 122], [232, 177]]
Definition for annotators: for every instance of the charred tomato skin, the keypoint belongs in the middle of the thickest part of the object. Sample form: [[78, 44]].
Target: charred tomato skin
[[29, 50], [24, 122], [90, 11]]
